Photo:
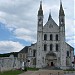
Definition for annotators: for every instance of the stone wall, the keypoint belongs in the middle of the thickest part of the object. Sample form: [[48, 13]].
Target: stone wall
[[9, 63]]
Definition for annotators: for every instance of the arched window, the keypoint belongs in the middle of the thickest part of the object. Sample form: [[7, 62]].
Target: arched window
[[34, 53], [51, 47], [56, 37], [43, 59], [62, 20], [51, 37], [56, 47], [67, 53], [45, 47], [45, 36], [34, 61]]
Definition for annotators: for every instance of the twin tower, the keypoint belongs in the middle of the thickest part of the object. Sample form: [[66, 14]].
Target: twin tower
[[44, 43], [61, 15]]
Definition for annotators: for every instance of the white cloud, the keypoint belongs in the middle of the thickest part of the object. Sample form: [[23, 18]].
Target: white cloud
[[20, 16], [25, 34], [10, 46]]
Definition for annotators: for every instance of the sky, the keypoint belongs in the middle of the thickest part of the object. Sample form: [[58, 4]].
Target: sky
[[18, 22]]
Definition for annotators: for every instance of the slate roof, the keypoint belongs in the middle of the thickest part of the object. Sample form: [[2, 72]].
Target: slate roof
[[24, 50], [71, 48]]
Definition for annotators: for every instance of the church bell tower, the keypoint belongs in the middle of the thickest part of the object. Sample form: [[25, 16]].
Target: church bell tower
[[39, 37], [62, 37]]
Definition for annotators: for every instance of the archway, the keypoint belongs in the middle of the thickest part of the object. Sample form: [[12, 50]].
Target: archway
[[52, 64], [51, 59]]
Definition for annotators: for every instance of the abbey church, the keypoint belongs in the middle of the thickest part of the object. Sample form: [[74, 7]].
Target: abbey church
[[50, 48]]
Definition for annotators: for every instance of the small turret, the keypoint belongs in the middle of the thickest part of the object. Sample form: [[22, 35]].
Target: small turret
[[49, 16]]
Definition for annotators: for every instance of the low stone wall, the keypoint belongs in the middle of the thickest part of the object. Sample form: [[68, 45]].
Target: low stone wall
[[9, 63]]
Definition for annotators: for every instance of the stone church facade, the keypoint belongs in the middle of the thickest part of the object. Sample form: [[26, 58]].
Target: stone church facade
[[50, 48]]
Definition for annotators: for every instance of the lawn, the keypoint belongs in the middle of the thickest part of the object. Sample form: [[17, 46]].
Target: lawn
[[32, 69], [14, 72]]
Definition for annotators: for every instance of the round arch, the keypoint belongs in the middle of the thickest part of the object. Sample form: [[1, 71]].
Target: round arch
[[51, 59]]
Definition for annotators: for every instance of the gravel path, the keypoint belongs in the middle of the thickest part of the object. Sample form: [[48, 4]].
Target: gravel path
[[27, 73], [35, 73]]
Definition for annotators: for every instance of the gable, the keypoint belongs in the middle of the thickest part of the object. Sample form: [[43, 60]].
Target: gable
[[51, 26]]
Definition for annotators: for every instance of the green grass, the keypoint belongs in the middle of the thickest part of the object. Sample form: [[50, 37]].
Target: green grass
[[14, 72], [32, 69]]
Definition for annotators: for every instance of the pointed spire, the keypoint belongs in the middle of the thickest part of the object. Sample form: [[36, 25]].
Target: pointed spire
[[41, 5], [60, 2], [61, 11], [40, 12], [49, 16], [61, 5]]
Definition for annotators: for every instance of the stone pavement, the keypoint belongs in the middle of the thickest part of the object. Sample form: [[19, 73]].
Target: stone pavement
[[40, 72], [33, 73], [44, 72], [27, 73], [70, 74]]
